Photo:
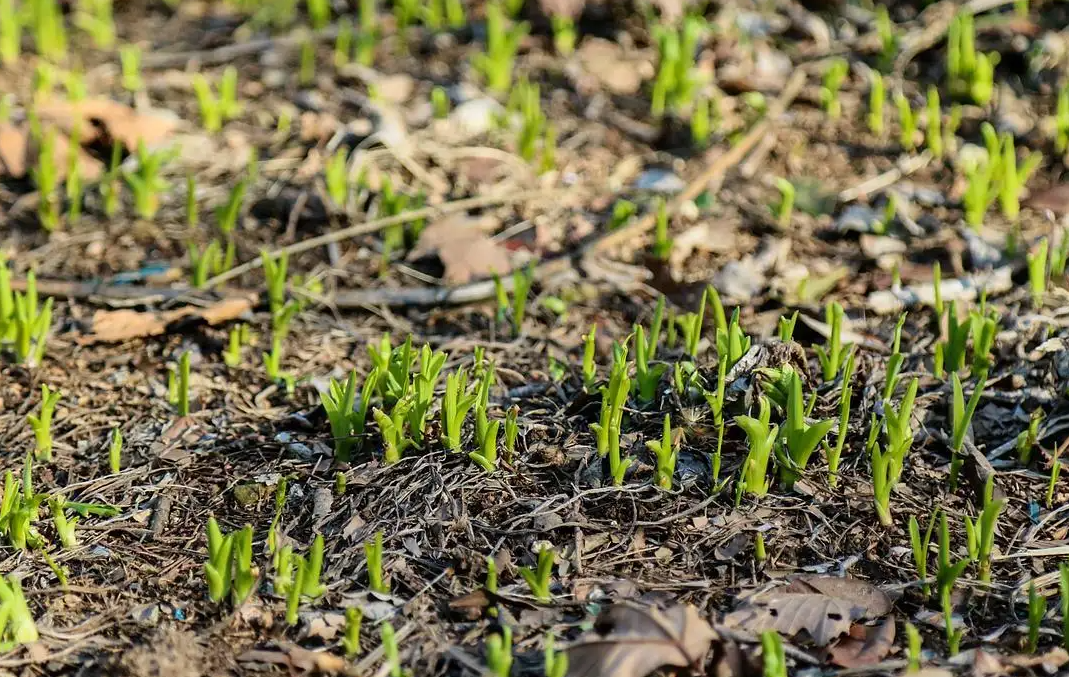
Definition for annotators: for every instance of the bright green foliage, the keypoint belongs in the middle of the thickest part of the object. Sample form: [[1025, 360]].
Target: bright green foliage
[[907, 122], [920, 549], [833, 356], [422, 395], [800, 439], [1063, 581], [762, 439], [42, 424], [834, 453], [785, 208], [343, 42], [502, 42], [10, 39], [677, 48], [491, 582], [877, 98], [538, 580], [1026, 440], [1055, 471], [318, 13], [982, 328], [347, 417], [773, 658], [275, 269], [512, 430], [946, 576], [392, 367], [239, 336], [715, 400], [1037, 272], [933, 133], [110, 186], [145, 181], [350, 641], [46, 178], [960, 416], [311, 587], [217, 109], [554, 663], [65, 526], [486, 457], [662, 244], [440, 103], [178, 385], [731, 342], [203, 262], [981, 532], [16, 622], [19, 507], [335, 175], [690, 325], [834, 75], [701, 121], [368, 35], [1013, 179], [75, 186], [130, 62], [647, 376], [564, 34], [115, 451], [244, 580], [913, 647], [1061, 120], [885, 29], [389, 646], [666, 453], [622, 212], [218, 569], [759, 552], [293, 594], [24, 326], [306, 71], [613, 399], [532, 120], [950, 354], [392, 430], [786, 327], [590, 369], [1037, 609], [455, 407], [969, 73], [499, 652], [899, 431], [522, 278], [373, 554]]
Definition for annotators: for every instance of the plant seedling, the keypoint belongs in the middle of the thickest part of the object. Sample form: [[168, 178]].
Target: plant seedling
[[675, 82], [368, 36], [217, 109], [666, 452], [18, 626], [834, 454], [715, 400], [1063, 584], [392, 429], [350, 641], [115, 451], [203, 262], [647, 376], [690, 325], [178, 385], [1061, 120], [888, 40], [42, 424], [373, 554], [275, 269], [907, 122], [731, 342], [960, 416], [1027, 438], [877, 97], [499, 652], [613, 399], [389, 647], [970, 73], [347, 420], [10, 36], [336, 176], [700, 121], [145, 181], [502, 43], [486, 457], [64, 525], [785, 327], [1012, 179], [455, 408], [1055, 471], [800, 438], [981, 533], [933, 133], [762, 440], [920, 550], [894, 362], [785, 208], [913, 647], [834, 355], [834, 76], [1037, 609], [590, 369], [130, 63], [773, 657], [218, 568], [538, 580], [1037, 272], [554, 663], [946, 576]]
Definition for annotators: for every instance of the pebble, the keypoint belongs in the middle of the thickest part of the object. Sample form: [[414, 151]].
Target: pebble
[[476, 117], [309, 99], [857, 218], [659, 181]]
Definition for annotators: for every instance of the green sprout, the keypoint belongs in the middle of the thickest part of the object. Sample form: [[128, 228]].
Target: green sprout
[[675, 83], [130, 62], [239, 336], [75, 186], [981, 532], [785, 327], [933, 132], [622, 212], [203, 262], [731, 342], [10, 39], [294, 588], [913, 647], [491, 582], [613, 399], [907, 122], [335, 174], [1055, 471], [440, 102], [834, 453], [759, 552], [946, 576], [834, 75], [145, 181], [801, 439], [969, 73], [773, 657], [368, 35], [502, 42], [218, 570], [19, 508], [1026, 440], [647, 376], [662, 243], [110, 185], [21, 320], [275, 269], [982, 328], [785, 208], [960, 416], [347, 418], [1063, 579], [392, 367], [389, 647], [343, 42], [244, 578], [217, 109], [1013, 180], [16, 622], [701, 121], [554, 663], [64, 525], [538, 579], [877, 96], [178, 385], [715, 401], [1037, 272], [45, 18], [423, 385], [499, 652], [690, 325], [318, 13], [306, 70], [590, 369], [1060, 256], [522, 279], [115, 451], [564, 34], [1037, 609], [46, 178], [42, 424], [512, 430], [373, 554], [833, 357], [1061, 120], [666, 452], [392, 430], [920, 550], [532, 120], [350, 641], [762, 440], [455, 407], [486, 457], [888, 40], [950, 353]]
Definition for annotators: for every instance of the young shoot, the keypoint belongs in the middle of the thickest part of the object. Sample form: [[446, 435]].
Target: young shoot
[[907, 122], [1037, 609], [933, 133], [130, 63], [392, 430], [785, 208], [833, 356], [499, 653], [350, 642], [347, 419], [538, 579], [690, 325], [762, 440], [834, 453], [217, 109], [773, 655], [785, 327], [554, 663], [946, 576], [503, 38], [145, 181], [981, 532], [666, 451], [41, 424], [178, 385], [373, 554], [920, 550], [115, 451], [486, 457], [960, 417], [800, 439], [1037, 272], [834, 76]]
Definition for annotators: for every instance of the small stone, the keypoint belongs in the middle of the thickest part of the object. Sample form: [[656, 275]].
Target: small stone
[[247, 495], [147, 615], [658, 180], [857, 218], [309, 99], [475, 117]]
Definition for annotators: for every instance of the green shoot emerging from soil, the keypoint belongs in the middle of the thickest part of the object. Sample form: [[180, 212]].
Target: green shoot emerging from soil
[[347, 420], [178, 385], [762, 439], [834, 76], [145, 181], [1037, 609], [1037, 272], [42, 424], [115, 451], [920, 550], [833, 356], [217, 109], [800, 439], [16, 622], [933, 133], [877, 98], [981, 532], [1063, 584], [785, 208], [502, 42], [373, 554], [969, 73], [354, 617], [554, 663], [538, 580], [834, 453], [666, 452], [913, 647], [960, 417], [946, 576], [773, 656], [499, 652]]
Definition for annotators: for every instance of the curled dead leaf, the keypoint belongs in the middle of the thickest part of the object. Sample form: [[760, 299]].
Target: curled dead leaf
[[638, 640], [464, 248], [18, 153], [296, 658], [109, 326], [824, 607], [98, 119], [856, 652]]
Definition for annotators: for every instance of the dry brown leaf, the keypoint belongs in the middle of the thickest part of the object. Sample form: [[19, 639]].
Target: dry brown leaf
[[824, 606], [110, 326], [13, 146], [566, 8], [641, 639], [18, 154], [297, 658], [464, 249], [854, 652], [100, 117], [612, 67]]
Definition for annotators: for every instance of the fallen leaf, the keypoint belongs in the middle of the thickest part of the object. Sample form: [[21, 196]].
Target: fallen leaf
[[176, 440], [824, 606], [298, 658], [18, 153], [13, 146], [100, 118], [853, 652], [565, 8], [640, 640], [109, 326], [1056, 199], [464, 249]]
